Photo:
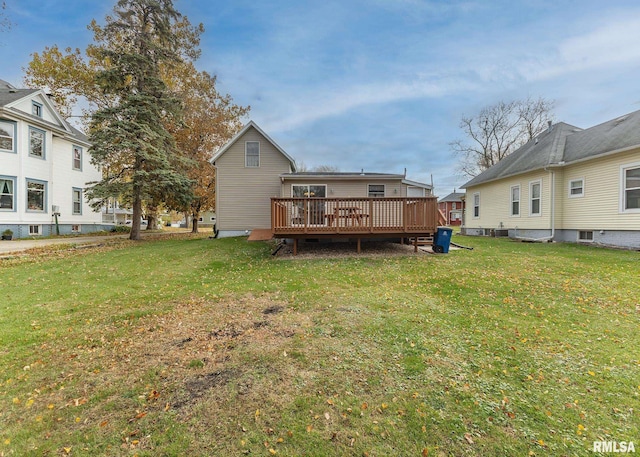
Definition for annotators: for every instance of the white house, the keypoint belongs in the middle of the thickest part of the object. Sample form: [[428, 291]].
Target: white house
[[44, 168]]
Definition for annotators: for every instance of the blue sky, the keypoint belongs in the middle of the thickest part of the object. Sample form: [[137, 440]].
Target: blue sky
[[382, 84]]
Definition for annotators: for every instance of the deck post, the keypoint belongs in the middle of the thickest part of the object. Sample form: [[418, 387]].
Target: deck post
[[415, 244], [295, 246], [358, 245]]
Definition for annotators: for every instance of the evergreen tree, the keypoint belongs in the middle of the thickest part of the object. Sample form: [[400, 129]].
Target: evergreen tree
[[129, 139]]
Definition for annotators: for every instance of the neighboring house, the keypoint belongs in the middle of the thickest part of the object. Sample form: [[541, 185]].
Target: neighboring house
[[452, 206], [44, 168], [252, 168], [567, 184]]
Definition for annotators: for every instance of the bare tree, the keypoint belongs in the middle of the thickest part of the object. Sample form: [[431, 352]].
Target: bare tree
[[498, 130], [302, 167]]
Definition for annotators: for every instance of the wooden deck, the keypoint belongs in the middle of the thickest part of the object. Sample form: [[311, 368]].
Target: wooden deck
[[356, 218]]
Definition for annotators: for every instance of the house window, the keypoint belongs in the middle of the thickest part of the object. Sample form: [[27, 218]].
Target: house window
[[36, 143], [35, 230], [75, 228], [453, 205], [36, 109], [7, 193], [7, 136], [631, 188], [36, 195], [476, 205], [576, 188], [77, 158], [77, 201], [376, 190], [535, 208], [585, 236], [252, 154], [515, 200]]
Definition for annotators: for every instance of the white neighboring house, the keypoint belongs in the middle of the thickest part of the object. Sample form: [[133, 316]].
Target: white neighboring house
[[44, 166]]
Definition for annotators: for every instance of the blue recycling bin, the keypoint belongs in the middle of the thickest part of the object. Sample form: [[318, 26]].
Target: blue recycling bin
[[442, 239]]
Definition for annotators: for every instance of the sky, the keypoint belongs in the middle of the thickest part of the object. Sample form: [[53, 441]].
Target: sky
[[381, 85]]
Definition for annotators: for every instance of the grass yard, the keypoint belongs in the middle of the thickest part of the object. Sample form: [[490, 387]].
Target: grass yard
[[198, 347]]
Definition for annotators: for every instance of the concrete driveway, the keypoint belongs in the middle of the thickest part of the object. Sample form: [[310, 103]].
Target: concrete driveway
[[13, 246]]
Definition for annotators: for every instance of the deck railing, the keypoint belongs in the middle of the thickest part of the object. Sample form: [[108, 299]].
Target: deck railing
[[356, 216]]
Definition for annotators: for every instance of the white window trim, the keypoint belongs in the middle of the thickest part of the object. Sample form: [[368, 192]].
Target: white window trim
[[531, 184], [76, 228], [384, 187], [246, 143], [511, 201], [623, 188], [473, 205], [569, 188], [308, 185], [580, 240], [38, 231]]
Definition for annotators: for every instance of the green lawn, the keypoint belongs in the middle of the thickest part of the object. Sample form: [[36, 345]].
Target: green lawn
[[198, 347]]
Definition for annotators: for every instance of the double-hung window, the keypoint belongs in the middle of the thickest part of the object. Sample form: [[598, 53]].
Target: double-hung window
[[476, 205], [36, 195], [376, 190], [7, 193], [515, 200], [630, 188], [77, 201], [36, 143], [7, 136], [535, 202], [77, 158], [252, 154], [576, 188]]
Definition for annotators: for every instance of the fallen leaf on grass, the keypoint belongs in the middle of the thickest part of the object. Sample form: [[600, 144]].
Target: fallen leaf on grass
[[425, 452], [467, 437]]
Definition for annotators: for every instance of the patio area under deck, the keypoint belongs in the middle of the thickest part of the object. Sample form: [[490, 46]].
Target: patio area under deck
[[355, 218]]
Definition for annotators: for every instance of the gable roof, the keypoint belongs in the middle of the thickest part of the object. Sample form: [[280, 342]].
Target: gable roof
[[452, 197], [564, 144], [244, 130], [10, 96]]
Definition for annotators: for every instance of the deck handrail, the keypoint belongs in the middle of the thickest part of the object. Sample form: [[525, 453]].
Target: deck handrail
[[353, 215]]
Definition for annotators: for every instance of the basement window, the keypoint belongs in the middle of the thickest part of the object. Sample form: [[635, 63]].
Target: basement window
[[585, 236]]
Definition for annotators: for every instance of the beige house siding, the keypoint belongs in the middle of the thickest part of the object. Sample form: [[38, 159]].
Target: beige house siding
[[599, 207], [244, 193], [495, 203], [345, 188]]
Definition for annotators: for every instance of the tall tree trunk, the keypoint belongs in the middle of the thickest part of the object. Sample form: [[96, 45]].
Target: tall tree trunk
[[194, 225], [152, 216]]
